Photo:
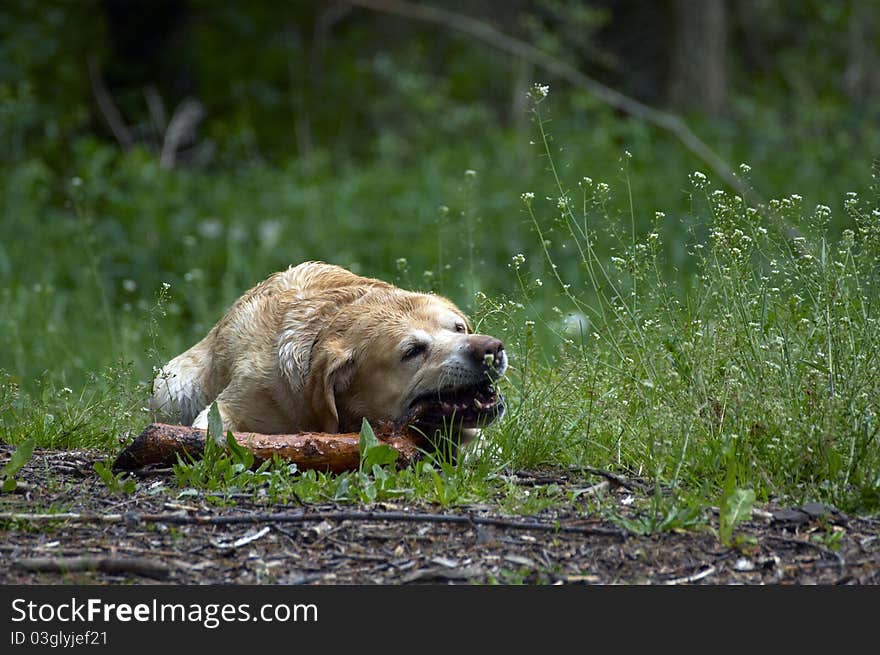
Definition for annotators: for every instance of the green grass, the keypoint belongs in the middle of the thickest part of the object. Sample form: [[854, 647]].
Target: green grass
[[700, 347]]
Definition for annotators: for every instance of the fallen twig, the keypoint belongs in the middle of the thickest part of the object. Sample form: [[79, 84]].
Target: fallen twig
[[613, 478], [694, 577], [810, 544], [530, 478], [245, 540], [114, 565], [305, 517], [593, 490], [152, 471]]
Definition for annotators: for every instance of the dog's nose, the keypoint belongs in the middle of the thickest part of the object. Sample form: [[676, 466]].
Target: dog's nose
[[486, 350]]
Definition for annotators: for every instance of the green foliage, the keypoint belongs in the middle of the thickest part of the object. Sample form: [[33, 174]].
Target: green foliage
[[107, 405], [663, 515], [736, 507], [226, 467], [657, 323], [44, 86], [117, 483], [762, 363], [736, 503], [830, 538], [19, 458], [215, 428], [222, 472], [372, 453]]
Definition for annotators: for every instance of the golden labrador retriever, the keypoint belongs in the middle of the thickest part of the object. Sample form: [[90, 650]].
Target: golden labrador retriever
[[318, 348]]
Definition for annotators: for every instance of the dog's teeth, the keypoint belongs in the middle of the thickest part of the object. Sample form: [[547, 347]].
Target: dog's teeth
[[477, 403]]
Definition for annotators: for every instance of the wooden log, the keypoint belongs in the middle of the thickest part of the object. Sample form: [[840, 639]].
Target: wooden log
[[160, 444]]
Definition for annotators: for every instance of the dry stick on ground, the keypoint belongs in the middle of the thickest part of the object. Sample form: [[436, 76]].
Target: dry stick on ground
[[803, 543], [525, 478], [113, 565], [694, 577], [618, 480], [305, 517], [664, 120]]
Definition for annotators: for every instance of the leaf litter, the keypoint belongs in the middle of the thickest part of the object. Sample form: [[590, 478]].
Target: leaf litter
[[350, 544]]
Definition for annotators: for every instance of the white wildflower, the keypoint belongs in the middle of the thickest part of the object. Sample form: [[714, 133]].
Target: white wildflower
[[699, 179], [210, 228], [539, 91]]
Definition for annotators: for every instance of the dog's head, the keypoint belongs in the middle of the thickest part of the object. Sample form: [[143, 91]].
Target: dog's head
[[404, 357]]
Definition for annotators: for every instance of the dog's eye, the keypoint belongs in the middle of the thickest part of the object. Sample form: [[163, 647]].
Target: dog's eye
[[459, 327], [414, 350]]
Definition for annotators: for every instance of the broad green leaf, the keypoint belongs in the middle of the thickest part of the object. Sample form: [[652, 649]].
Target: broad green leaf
[[737, 508], [372, 452], [9, 485], [104, 473], [240, 454], [367, 438], [20, 457], [342, 490], [215, 424], [379, 455]]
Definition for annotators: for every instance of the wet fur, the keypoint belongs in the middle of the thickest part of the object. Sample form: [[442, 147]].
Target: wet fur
[[316, 348]]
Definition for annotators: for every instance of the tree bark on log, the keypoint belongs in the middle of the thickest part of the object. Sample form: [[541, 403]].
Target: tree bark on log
[[160, 444]]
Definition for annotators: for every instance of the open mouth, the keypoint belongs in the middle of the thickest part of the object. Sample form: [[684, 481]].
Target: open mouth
[[466, 407]]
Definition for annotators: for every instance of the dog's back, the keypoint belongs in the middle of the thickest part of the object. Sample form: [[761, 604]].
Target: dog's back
[[190, 382]]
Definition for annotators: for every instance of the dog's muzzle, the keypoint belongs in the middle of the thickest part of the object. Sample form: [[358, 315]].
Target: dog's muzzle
[[472, 404]]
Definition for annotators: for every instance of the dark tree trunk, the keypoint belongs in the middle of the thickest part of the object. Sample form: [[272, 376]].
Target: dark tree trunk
[[861, 79], [698, 69]]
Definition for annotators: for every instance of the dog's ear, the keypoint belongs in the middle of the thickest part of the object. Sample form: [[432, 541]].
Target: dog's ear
[[330, 374]]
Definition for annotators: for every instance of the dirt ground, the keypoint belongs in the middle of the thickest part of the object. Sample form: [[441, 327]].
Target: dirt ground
[[154, 535]]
